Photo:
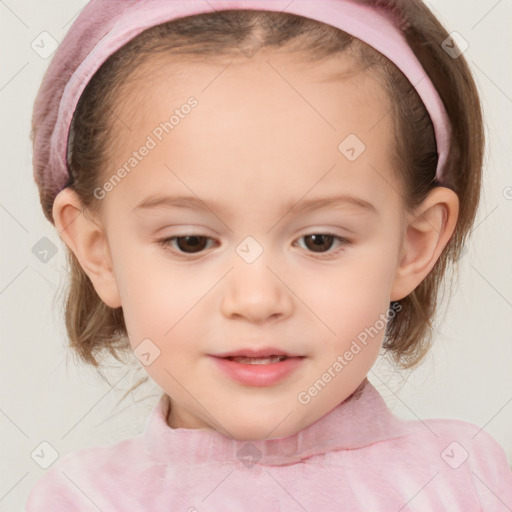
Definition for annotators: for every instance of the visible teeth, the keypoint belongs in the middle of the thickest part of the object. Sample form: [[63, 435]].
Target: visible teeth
[[258, 360]]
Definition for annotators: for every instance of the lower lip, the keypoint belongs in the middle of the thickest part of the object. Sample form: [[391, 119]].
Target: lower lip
[[258, 374]]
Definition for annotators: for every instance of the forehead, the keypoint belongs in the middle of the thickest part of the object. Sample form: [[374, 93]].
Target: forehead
[[274, 121], [162, 81]]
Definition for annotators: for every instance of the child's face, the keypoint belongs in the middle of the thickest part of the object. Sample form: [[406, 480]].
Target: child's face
[[264, 136]]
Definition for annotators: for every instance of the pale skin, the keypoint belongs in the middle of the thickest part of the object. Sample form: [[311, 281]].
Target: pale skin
[[253, 145]]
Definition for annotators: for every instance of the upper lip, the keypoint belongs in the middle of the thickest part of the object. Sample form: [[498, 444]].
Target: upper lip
[[253, 352]]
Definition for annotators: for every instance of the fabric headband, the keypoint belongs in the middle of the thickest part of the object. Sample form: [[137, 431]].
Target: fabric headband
[[104, 26]]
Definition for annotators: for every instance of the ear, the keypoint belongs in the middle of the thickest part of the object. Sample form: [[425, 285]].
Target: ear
[[87, 239], [429, 229]]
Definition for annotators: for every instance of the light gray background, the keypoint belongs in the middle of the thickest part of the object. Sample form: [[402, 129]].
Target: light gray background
[[46, 397]]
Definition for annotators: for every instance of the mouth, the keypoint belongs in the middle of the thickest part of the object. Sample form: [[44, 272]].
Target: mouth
[[257, 360], [260, 353], [263, 367]]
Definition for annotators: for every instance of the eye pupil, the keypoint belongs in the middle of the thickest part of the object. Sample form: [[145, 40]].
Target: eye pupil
[[197, 243], [319, 241]]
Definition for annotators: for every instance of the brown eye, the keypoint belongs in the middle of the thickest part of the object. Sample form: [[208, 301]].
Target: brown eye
[[320, 242], [189, 244]]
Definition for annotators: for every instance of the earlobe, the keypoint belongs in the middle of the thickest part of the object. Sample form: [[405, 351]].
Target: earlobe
[[88, 241], [429, 229]]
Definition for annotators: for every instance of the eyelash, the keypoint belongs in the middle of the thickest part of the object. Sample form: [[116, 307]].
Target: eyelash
[[166, 244]]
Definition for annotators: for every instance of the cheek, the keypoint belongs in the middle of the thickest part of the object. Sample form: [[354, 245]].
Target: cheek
[[352, 293], [350, 304], [161, 301]]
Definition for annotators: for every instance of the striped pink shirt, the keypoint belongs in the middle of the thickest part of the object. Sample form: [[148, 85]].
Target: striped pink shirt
[[358, 457]]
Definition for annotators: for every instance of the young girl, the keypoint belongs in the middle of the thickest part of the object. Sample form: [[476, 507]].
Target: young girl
[[258, 196]]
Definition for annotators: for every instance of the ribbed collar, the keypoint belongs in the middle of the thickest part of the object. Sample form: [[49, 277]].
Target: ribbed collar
[[360, 420]]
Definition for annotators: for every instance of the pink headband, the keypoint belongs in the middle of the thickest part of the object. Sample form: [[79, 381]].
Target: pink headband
[[104, 26]]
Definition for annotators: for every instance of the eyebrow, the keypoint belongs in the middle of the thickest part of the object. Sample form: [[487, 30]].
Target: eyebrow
[[191, 202]]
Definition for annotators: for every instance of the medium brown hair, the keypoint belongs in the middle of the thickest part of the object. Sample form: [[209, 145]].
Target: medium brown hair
[[94, 327]]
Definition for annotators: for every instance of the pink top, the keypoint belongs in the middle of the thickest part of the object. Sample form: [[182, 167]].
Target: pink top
[[358, 457]]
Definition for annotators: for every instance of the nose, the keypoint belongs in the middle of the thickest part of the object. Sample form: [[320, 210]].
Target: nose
[[256, 293]]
